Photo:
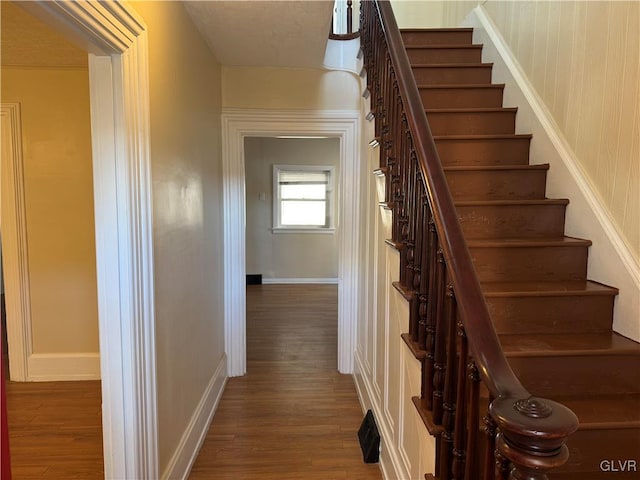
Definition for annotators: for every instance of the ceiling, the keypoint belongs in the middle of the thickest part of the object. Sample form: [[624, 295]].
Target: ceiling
[[26, 41], [264, 32], [239, 32]]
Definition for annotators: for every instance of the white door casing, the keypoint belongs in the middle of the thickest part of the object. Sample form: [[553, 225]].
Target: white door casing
[[116, 38], [240, 123]]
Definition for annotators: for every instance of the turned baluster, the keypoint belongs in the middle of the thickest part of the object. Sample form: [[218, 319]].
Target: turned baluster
[[460, 432], [490, 461], [450, 383], [473, 377], [428, 372], [440, 350], [417, 261]]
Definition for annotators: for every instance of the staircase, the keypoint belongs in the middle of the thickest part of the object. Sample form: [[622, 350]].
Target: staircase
[[554, 325]]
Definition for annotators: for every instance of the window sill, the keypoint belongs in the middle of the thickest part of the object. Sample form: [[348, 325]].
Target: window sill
[[321, 231]]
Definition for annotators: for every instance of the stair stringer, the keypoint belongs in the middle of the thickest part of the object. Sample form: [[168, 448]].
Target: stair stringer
[[610, 259]]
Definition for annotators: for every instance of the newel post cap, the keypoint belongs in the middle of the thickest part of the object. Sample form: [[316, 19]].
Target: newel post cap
[[533, 430]]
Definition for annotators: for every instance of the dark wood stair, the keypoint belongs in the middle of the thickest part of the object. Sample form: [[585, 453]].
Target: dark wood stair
[[555, 325]]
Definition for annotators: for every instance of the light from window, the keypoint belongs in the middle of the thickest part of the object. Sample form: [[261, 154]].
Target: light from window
[[303, 197]]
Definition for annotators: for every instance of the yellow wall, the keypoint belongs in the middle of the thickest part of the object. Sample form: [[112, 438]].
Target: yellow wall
[[289, 88], [185, 100], [59, 205], [583, 59]]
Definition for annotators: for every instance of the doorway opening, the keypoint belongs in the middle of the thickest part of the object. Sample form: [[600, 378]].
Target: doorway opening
[[115, 38], [237, 125]]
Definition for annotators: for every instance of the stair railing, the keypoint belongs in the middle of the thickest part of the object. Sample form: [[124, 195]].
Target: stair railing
[[450, 328]]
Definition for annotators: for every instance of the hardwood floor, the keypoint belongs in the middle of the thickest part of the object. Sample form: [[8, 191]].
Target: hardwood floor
[[55, 430], [293, 416]]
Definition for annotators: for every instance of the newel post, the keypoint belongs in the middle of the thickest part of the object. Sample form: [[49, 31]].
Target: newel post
[[532, 433]]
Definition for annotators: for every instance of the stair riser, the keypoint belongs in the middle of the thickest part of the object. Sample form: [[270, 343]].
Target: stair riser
[[512, 221], [565, 314], [589, 450], [444, 55], [468, 97], [473, 152], [472, 123], [551, 376], [497, 185], [452, 75], [437, 38], [530, 264]]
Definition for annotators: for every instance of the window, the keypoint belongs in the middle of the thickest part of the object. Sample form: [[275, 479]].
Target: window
[[303, 198]]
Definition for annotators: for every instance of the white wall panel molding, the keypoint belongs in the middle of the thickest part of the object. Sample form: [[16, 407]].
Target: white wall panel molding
[[14, 244], [610, 259], [240, 123], [189, 447], [119, 93], [391, 463]]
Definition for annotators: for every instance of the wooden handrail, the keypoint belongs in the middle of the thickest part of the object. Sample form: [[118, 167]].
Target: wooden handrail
[[531, 431]]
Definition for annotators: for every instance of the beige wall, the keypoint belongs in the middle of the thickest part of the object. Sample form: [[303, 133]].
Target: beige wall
[[286, 255], [422, 14], [185, 98], [289, 88], [59, 205], [583, 59]]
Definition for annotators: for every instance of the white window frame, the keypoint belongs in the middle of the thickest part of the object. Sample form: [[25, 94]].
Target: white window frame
[[331, 200]]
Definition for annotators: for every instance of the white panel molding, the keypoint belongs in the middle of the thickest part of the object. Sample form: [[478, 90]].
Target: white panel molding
[[610, 259], [14, 244], [287, 281], [119, 95], [397, 468], [58, 367], [194, 435], [240, 123]]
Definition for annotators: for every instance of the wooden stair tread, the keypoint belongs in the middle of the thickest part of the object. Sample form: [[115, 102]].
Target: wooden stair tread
[[567, 344], [494, 136], [494, 168], [471, 110], [506, 289], [604, 411], [442, 86], [444, 46], [529, 242], [439, 29], [453, 65], [498, 203]]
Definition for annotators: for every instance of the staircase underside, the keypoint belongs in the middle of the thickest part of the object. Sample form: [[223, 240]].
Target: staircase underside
[[555, 325]]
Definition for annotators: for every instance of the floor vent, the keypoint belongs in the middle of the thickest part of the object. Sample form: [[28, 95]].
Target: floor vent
[[369, 439]]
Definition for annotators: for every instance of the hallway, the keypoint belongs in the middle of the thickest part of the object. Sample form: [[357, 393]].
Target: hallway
[[293, 415]]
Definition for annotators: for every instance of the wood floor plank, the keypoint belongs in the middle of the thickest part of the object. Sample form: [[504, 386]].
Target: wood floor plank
[[293, 415], [55, 430]]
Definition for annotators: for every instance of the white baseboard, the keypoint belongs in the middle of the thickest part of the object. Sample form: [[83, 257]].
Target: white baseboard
[[391, 464], [195, 433], [275, 281], [59, 367], [610, 260]]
